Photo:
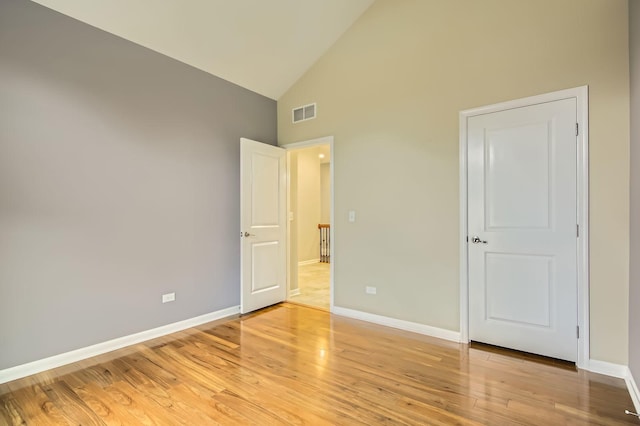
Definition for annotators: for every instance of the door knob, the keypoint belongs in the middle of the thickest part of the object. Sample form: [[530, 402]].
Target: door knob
[[246, 234], [477, 240]]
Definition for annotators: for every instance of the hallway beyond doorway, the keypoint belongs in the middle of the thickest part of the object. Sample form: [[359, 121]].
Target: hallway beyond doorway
[[313, 282]]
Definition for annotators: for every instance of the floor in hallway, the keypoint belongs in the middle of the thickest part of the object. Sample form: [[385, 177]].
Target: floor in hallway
[[313, 281]]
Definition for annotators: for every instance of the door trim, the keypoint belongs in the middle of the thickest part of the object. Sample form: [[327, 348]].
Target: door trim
[[581, 94], [326, 140]]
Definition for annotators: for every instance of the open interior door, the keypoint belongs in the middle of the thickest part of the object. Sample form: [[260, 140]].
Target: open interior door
[[263, 188]]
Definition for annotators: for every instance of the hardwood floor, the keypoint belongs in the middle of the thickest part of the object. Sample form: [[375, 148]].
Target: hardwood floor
[[291, 364]]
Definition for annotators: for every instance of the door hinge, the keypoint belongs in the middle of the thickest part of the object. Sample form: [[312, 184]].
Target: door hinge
[[578, 331], [578, 231], [577, 129]]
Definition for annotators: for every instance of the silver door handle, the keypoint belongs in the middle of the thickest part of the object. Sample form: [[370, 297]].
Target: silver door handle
[[477, 240]]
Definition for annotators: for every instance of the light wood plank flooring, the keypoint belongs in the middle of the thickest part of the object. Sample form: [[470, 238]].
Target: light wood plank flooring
[[291, 364], [313, 282]]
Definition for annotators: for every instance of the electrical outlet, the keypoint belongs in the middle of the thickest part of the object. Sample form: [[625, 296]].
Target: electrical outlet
[[370, 290], [169, 297]]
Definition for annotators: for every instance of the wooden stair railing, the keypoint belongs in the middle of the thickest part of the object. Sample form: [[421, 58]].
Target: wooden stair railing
[[325, 242]]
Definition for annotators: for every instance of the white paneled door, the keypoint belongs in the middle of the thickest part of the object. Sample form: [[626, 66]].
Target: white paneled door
[[523, 229], [263, 226]]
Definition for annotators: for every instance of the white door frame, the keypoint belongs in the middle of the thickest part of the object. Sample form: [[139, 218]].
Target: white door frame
[[581, 94], [327, 140]]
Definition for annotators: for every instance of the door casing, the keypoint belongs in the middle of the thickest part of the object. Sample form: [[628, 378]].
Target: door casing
[[327, 140], [581, 94]]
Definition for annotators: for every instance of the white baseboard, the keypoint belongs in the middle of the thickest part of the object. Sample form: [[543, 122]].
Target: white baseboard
[[633, 390], [414, 327], [294, 292], [621, 372], [607, 368], [40, 365], [308, 262]]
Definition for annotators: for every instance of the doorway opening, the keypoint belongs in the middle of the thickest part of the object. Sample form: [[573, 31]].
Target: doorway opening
[[309, 223]]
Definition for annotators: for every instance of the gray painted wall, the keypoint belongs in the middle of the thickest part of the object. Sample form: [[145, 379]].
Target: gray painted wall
[[119, 181], [634, 279]]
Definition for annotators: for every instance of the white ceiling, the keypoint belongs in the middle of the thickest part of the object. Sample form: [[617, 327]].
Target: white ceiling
[[262, 45]]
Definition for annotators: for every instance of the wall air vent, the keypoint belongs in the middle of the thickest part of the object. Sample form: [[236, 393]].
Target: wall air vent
[[306, 112]]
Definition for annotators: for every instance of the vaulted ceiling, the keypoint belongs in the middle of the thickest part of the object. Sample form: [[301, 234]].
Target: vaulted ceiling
[[262, 45]]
